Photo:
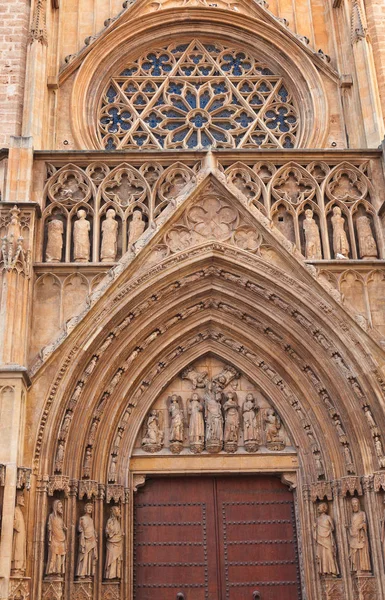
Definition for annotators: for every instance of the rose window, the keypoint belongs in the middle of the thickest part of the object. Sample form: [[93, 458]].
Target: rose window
[[196, 96]]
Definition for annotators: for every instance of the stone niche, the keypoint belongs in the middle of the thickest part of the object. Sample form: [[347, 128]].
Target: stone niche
[[211, 407]]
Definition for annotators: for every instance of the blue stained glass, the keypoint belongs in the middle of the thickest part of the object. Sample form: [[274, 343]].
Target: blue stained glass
[[140, 139], [110, 145], [263, 88], [179, 104], [157, 65], [266, 72], [160, 139], [283, 93], [193, 140], [205, 70], [236, 64], [219, 88], [129, 72], [246, 88], [244, 120], [149, 88], [204, 99], [199, 120], [140, 100], [225, 113], [153, 120], [180, 135], [175, 88], [217, 135], [116, 120], [217, 104], [197, 59], [226, 125], [205, 139], [258, 139], [187, 70], [111, 94], [171, 126], [172, 114], [181, 48], [235, 100], [130, 89], [280, 119], [211, 48], [191, 99], [255, 100], [287, 143]]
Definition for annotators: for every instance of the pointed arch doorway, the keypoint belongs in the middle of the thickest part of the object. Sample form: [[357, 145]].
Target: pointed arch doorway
[[215, 537]]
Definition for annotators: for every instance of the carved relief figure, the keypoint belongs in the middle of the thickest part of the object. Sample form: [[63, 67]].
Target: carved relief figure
[[326, 550], [59, 456], [366, 242], [176, 423], [136, 227], [312, 236], [14, 228], [214, 420], [153, 438], [19, 546], [197, 378], [272, 424], [251, 435], [88, 547], [82, 245], [57, 546], [231, 410], [114, 545], [109, 247], [54, 248], [358, 539], [340, 240], [196, 425]]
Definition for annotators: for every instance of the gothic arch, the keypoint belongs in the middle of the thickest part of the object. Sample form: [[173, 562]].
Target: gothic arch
[[264, 40]]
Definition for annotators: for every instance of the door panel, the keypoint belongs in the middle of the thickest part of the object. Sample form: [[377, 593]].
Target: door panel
[[215, 538], [257, 539]]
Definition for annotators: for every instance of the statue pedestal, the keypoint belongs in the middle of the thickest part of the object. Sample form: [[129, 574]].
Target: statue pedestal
[[111, 590], [364, 586], [333, 588], [19, 588], [53, 588], [83, 589]]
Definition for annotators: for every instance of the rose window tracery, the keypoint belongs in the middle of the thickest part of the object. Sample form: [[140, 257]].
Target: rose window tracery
[[197, 95]]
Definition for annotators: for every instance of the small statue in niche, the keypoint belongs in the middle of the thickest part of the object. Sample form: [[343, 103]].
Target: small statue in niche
[[272, 425], [326, 549], [114, 545], [196, 424], [359, 557], [59, 457], [153, 438], [312, 236], [112, 470], [231, 410], [109, 248], [14, 229], [136, 227], [176, 423], [366, 242], [251, 434], [19, 545], [53, 252], [57, 541], [65, 426], [340, 241], [214, 419], [87, 463], [82, 244], [198, 379], [88, 544]]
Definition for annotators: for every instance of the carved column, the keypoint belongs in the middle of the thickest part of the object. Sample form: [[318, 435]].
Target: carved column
[[39, 535], [341, 535], [71, 537], [374, 540]]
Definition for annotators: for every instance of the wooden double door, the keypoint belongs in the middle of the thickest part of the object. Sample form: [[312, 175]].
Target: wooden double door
[[215, 538]]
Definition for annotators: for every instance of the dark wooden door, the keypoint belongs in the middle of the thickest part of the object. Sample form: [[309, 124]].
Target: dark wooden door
[[215, 538]]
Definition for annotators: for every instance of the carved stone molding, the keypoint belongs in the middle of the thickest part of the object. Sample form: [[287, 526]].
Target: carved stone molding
[[19, 588], [38, 31], [333, 589], [53, 589], [2, 475], [59, 483], [138, 481], [365, 587], [290, 479], [115, 492], [351, 485], [321, 489], [15, 248], [82, 590], [23, 478], [379, 481], [110, 590], [88, 489]]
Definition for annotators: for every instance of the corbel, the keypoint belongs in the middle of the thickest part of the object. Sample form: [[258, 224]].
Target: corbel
[[23, 478]]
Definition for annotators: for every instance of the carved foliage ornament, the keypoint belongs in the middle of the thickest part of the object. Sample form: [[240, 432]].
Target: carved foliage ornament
[[197, 95], [15, 254]]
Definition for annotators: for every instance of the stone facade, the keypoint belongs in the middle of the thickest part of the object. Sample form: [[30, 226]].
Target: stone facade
[[192, 277]]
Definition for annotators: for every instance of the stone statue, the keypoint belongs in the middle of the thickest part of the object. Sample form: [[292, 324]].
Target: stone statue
[[82, 246], [88, 546], [19, 546], [109, 247], [59, 456], [366, 242], [136, 227], [176, 423], [272, 425], [198, 379], [231, 410], [114, 545], [251, 435], [312, 236], [57, 546], [358, 540], [214, 419], [326, 550], [340, 240], [112, 470], [153, 438], [196, 425], [53, 252]]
